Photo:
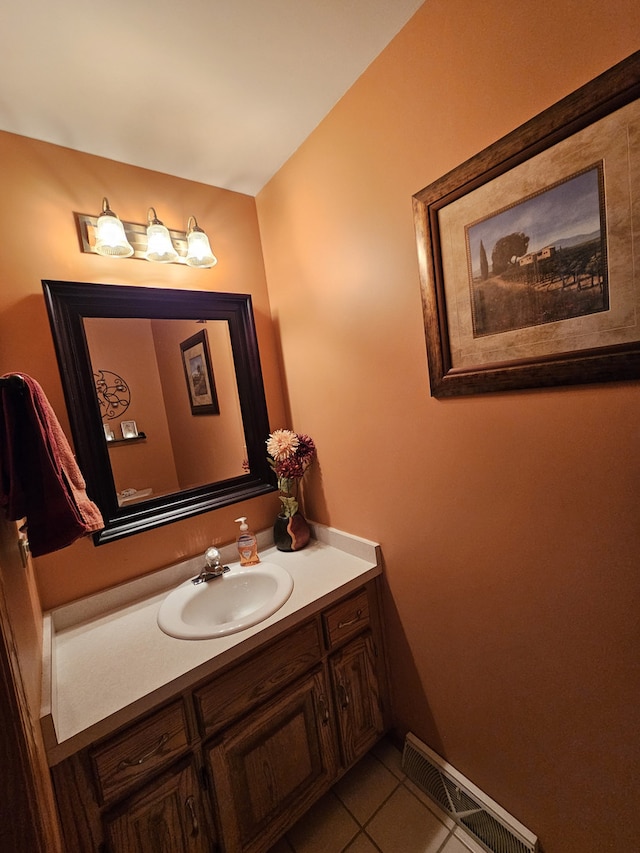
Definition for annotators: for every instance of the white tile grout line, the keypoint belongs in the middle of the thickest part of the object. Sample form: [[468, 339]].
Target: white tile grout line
[[446, 841], [391, 793], [363, 826], [399, 783], [366, 835]]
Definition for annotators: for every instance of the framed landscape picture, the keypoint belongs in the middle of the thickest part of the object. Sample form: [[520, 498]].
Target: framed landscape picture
[[528, 252]]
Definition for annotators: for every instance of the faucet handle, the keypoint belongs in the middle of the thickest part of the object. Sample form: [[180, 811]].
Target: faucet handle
[[213, 568], [212, 558]]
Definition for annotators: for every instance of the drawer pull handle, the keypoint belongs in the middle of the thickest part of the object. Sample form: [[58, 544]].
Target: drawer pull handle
[[136, 762], [344, 696], [353, 621], [324, 709], [195, 826]]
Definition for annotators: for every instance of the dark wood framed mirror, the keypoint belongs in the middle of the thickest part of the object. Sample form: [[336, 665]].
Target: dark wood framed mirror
[[162, 463]]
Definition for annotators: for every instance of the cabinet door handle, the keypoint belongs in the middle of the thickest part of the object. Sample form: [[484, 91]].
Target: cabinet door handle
[[191, 809], [136, 762], [324, 709], [344, 696], [353, 621]]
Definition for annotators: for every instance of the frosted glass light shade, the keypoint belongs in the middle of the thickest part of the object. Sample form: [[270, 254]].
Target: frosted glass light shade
[[111, 240], [159, 246], [199, 252], [107, 235]]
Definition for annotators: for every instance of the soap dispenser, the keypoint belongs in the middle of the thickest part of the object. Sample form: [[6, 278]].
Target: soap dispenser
[[247, 544]]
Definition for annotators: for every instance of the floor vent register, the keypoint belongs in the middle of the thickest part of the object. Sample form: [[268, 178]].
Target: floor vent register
[[487, 822]]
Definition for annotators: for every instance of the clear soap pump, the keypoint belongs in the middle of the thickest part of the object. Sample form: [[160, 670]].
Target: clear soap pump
[[247, 544]]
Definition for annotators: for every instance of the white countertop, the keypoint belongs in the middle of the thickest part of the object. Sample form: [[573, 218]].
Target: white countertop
[[107, 661]]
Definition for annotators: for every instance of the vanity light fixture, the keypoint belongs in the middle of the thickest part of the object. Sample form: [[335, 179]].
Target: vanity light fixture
[[159, 245], [199, 252], [111, 239], [109, 236]]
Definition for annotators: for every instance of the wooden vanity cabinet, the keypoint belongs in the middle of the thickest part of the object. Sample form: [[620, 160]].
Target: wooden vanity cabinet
[[273, 765], [121, 762], [133, 791], [235, 761], [249, 684], [352, 631], [359, 708], [167, 816]]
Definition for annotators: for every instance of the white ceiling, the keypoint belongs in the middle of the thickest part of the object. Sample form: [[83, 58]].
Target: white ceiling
[[218, 91]]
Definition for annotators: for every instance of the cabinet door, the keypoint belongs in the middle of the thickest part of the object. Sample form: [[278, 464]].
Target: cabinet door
[[355, 688], [167, 816], [271, 767]]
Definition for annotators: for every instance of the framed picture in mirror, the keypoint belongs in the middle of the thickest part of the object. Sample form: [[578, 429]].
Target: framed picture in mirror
[[201, 388]]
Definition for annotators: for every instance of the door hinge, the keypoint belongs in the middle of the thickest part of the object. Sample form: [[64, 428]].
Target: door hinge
[[23, 546]]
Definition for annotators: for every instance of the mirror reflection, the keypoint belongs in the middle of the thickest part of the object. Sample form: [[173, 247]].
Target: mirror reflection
[[171, 445], [165, 398]]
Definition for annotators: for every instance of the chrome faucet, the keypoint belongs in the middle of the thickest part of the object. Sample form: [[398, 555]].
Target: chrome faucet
[[212, 568]]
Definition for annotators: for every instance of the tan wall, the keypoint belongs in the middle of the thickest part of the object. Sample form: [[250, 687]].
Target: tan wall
[[207, 448], [126, 348], [42, 186], [508, 523]]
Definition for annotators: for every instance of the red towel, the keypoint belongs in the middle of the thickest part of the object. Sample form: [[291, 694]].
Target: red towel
[[39, 476]]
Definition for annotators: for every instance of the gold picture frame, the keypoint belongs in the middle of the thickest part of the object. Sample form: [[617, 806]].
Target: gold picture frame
[[561, 305]]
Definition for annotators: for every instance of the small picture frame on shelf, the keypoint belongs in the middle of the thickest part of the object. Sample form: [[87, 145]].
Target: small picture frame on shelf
[[108, 432], [129, 429]]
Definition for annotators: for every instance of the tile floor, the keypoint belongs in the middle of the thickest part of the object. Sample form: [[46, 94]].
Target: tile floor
[[376, 809]]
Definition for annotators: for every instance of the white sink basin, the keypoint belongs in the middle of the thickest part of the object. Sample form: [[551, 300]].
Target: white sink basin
[[240, 598]]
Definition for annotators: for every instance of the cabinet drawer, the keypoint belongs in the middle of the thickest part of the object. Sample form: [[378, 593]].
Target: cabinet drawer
[[346, 618], [225, 698], [141, 749]]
